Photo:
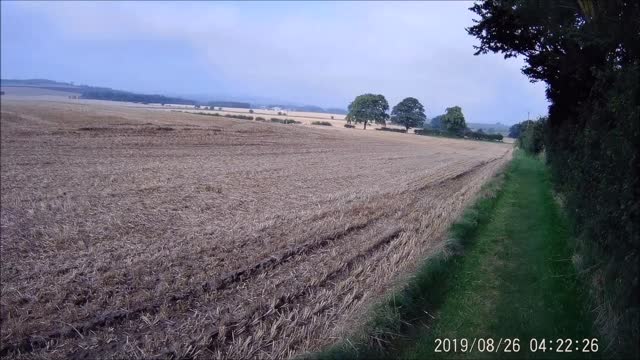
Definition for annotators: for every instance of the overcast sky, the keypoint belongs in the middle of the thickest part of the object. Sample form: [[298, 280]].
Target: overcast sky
[[320, 53]]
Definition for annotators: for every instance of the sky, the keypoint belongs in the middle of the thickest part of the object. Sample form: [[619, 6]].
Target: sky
[[318, 53]]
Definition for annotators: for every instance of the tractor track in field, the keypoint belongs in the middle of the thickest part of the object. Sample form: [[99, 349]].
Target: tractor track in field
[[35, 342], [222, 246]]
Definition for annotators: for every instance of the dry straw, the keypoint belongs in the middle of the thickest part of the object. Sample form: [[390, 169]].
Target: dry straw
[[218, 238]]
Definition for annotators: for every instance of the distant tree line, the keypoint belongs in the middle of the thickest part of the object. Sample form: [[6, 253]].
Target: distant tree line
[[309, 108], [453, 124], [117, 95], [373, 108], [516, 130], [530, 135], [588, 54], [231, 104]]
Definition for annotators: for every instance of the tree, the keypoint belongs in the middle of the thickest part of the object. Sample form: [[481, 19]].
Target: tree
[[453, 120], [531, 138], [515, 131], [368, 107], [408, 113], [436, 122], [250, 111], [588, 54]]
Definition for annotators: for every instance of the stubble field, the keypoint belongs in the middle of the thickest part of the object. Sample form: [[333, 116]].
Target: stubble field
[[139, 233]]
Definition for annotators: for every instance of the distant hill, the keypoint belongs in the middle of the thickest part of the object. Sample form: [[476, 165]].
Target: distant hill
[[337, 111], [41, 84], [231, 104], [104, 93], [309, 108], [118, 95], [96, 93]]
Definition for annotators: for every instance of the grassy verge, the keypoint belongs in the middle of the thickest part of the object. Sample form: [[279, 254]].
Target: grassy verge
[[507, 274]]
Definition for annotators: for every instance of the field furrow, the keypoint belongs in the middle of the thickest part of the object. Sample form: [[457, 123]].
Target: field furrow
[[138, 233]]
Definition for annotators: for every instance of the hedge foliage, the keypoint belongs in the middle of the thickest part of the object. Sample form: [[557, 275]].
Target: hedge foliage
[[285, 121], [466, 134], [531, 136], [404, 131], [588, 54]]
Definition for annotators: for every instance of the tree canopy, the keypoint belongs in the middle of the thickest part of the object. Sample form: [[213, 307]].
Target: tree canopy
[[516, 130], [118, 95], [588, 53], [368, 107], [436, 122], [408, 113], [531, 137], [453, 120]]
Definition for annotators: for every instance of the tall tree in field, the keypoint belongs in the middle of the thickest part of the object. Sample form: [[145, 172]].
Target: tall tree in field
[[454, 121], [368, 107], [408, 113]]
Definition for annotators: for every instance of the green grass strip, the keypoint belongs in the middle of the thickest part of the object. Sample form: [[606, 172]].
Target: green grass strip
[[506, 273]]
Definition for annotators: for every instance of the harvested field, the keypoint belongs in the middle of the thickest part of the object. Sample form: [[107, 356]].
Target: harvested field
[[137, 233]]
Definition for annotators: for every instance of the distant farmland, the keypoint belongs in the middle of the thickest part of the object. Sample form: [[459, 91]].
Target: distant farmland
[[130, 232], [36, 91]]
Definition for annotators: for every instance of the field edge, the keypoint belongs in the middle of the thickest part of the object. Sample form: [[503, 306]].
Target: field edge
[[391, 319]]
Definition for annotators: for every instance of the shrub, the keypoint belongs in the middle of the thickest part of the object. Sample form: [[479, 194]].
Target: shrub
[[392, 130], [349, 126], [468, 134], [323, 123], [258, 118], [241, 117], [199, 113], [589, 62], [250, 111], [532, 137], [433, 132], [284, 121], [481, 135]]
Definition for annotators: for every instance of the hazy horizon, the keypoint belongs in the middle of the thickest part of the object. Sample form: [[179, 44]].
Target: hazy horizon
[[320, 54]]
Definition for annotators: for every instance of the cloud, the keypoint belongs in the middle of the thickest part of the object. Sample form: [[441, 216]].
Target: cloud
[[320, 53]]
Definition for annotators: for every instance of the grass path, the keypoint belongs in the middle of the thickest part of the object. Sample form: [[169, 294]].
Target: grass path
[[517, 279]]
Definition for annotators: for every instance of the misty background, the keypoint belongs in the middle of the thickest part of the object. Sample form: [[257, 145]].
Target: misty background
[[319, 53]]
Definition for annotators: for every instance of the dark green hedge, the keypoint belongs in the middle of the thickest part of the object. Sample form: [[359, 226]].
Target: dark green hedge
[[392, 130], [588, 54]]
